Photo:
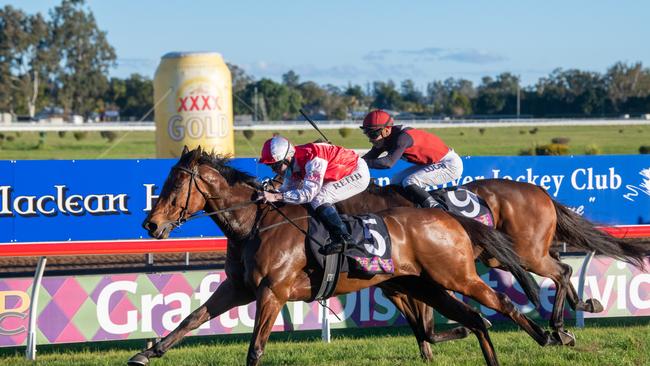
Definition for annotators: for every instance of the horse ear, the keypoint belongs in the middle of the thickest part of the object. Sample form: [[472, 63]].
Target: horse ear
[[185, 150], [198, 149]]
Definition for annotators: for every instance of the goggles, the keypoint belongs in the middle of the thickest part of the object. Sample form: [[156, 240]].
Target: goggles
[[277, 165], [372, 133]]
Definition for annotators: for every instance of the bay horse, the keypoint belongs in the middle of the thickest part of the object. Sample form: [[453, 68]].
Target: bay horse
[[267, 260], [534, 221]]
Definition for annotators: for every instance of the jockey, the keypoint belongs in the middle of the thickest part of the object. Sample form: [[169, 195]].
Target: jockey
[[319, 174], [435, 163]]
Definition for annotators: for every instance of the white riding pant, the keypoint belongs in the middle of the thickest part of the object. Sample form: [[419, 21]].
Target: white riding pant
[[348, 186], [449, 168]]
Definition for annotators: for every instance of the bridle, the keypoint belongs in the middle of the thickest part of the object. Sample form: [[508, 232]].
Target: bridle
[[194, 177], [193, 174]]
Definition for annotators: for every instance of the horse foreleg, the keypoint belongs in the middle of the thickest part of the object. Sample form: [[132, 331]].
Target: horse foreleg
[[268, 307], [416, 315], [420, 317], [424, 316], [227, 296], [454, 309]]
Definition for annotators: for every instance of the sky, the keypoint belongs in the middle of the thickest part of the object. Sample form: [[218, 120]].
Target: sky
[[340, 42]]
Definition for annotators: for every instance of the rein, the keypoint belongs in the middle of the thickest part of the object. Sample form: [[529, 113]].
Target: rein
[[290, 221], [194, 176], [206, 214]]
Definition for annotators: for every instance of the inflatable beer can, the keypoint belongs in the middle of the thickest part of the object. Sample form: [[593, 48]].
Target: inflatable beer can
[[193, 99]]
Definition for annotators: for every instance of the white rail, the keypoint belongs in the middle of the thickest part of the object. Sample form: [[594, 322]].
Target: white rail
[[301, 125]]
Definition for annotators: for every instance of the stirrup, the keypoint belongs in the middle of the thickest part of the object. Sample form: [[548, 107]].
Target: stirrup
[[332, 248], [431, 202]]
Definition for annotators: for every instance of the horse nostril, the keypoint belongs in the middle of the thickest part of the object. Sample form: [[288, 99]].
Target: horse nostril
[[152, 227], [148, 225]]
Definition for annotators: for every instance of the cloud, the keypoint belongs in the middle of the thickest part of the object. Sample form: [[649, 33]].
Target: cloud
[[336, 73], [379, 55], [430, 52], [262, 69], [345, 71], [472, 56], [383, 55], [384, 64], [262, 65], [394, 71]]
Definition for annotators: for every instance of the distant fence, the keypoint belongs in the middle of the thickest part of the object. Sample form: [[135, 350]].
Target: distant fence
[[302, 125]]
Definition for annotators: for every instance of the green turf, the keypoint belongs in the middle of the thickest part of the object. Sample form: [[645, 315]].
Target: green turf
[[467, 141], [612, 342]]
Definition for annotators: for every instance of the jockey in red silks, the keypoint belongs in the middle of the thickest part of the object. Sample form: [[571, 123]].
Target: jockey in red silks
[[319, 174], [434, 162]]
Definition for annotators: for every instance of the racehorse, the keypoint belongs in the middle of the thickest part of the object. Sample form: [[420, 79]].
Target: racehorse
[[534, 221], [267, 261]]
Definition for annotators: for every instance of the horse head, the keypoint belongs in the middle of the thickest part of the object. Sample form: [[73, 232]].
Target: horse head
[[199, 181]]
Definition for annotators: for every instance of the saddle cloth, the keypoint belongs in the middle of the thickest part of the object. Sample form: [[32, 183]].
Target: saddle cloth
[[371, 253], [461, 201]]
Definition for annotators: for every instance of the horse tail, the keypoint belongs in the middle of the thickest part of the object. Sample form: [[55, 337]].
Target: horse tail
[[573, 229], [500, 246]]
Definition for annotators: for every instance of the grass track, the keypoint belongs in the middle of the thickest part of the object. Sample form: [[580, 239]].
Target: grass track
[[604, 342], [467, 141]]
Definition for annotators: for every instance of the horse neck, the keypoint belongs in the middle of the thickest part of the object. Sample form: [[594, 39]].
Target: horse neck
[[238, 223]]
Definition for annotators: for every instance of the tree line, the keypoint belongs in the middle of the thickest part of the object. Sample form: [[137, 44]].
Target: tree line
[[622, 89], [61, 60], [64, 60]]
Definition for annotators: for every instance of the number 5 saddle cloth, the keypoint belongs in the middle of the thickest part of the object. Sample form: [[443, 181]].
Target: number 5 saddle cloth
[[371, 252]]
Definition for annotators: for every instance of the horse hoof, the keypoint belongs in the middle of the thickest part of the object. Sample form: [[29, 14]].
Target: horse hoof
[[596, 306], [487, 323], [564, 338], [549, 341], [138, 360], [462, 332]]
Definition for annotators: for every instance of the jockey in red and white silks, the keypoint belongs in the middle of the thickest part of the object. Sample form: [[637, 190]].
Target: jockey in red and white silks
[[435, 163], [319, 174], [324, 173]]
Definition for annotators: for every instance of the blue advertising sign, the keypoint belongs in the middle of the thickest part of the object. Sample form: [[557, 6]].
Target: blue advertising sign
[[44, 201]]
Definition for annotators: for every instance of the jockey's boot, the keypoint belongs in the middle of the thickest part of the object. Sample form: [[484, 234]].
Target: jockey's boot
[[421, 197], [340, 237]]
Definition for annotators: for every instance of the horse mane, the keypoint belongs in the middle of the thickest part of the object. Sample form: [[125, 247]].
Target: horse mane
[[222, 164]]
